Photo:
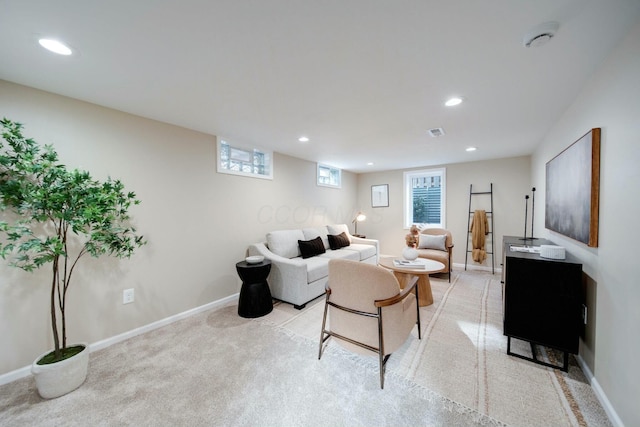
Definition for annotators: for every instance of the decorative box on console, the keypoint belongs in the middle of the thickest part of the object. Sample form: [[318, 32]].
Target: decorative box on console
[[552, 252]]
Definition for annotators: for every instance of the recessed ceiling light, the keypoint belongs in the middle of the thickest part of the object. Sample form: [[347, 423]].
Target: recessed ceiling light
[[303, 139], [55, 46], [471, 149], [370, 164], [453, 101]]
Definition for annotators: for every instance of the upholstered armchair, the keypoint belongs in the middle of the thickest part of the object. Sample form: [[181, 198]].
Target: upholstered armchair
[[436, 244], [367, 310]]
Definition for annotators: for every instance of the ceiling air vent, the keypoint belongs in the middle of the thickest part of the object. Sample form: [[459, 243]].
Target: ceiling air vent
[[540, 35], [435, 132]]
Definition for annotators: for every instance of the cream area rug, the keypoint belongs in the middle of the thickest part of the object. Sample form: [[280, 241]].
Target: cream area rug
[[462, 357]]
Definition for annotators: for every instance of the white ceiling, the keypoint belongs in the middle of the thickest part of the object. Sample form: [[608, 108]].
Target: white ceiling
[[363, 79]]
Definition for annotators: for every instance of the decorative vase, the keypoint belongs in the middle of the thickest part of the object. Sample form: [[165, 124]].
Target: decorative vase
[[409, 253], [59, 378]]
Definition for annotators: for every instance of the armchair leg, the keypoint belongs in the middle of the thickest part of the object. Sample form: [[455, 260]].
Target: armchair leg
[[381, 358], [418, 314], [324, 323]]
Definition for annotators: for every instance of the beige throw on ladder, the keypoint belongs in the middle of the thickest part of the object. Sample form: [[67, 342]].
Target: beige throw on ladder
[[479, 230]]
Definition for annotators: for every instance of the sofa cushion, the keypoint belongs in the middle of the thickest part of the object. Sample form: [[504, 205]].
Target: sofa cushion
[[311, 248], [428, 241], [339, 228], [363, 251], [338, 241], [285, 242], [312, 233], [317, 268], [342, 254]]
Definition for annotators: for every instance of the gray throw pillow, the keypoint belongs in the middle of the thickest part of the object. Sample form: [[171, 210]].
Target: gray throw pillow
[[428, 241]]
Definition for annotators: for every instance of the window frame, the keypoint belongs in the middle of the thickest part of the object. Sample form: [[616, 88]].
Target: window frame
[[331, 169], [408, 199], [268, 156]]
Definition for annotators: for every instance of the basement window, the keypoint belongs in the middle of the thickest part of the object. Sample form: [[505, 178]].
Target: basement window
[[424, 198], [238, 160], [329, 176]]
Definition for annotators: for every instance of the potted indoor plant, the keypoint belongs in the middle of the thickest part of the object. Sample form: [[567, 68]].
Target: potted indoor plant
[[50, 215]]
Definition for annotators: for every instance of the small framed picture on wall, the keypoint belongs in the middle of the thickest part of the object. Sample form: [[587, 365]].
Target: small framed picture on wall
[[380, 196]]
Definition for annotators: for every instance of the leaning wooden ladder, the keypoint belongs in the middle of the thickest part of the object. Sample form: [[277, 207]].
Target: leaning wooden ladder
[[490, 215]]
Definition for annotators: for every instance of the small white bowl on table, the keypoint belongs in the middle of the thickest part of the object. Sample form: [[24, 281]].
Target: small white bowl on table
[[255, 259]]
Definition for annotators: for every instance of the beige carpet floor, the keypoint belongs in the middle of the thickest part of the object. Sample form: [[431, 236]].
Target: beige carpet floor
[[218, 369], [462, 356]]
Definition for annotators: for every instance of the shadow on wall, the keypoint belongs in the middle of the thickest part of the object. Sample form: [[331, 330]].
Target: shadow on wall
[[588, 331]]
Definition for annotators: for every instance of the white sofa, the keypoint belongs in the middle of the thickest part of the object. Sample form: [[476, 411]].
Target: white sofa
[[297, 280]]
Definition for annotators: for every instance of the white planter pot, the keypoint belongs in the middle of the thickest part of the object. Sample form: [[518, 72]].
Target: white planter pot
[[57, 379], [410, 254]]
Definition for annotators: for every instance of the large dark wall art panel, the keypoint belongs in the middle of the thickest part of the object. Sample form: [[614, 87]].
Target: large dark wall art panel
[[573, 190]]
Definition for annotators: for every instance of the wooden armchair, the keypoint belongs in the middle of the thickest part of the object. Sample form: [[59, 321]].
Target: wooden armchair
[[368, 311]]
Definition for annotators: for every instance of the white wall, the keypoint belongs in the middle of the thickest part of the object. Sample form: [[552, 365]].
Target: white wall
[[198, 222], [612, 102], [511, 182]]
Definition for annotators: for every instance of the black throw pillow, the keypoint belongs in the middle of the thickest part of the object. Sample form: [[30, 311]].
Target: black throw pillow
[[310, 248], [338, 241]]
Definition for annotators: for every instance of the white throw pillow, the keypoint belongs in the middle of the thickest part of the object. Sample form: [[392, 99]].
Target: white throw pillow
[[428, 241], [312, 233], [285, 242], [334, 230]]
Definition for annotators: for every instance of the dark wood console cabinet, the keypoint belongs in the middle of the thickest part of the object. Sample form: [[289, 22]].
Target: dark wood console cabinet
[[542, 300]]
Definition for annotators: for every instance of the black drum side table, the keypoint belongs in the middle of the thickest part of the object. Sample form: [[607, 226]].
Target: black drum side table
[[255, 296]]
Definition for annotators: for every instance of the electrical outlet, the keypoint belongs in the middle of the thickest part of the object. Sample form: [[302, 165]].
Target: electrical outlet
[[584, 313], [127, 296]]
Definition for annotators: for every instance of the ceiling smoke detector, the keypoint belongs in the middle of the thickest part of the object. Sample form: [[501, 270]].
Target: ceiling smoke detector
[[540, 35], [435, 132]]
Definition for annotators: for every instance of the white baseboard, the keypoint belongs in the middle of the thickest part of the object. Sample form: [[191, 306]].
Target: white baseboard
[[600, 394], [15, 375], [26, 371], [497, 270]]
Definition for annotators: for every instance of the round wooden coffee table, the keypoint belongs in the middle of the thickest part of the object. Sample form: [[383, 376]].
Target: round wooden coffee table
[[404, 274]]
